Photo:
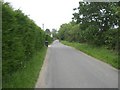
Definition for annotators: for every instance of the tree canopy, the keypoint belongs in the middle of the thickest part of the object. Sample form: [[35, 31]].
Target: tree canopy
[[94, 23]]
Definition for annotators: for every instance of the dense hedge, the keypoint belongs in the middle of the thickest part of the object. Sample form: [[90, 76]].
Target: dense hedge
[[22, 38]]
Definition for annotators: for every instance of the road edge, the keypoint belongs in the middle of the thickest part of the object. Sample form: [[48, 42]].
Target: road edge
[[41, 78]]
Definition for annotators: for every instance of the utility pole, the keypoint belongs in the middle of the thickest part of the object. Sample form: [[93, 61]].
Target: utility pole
[[43, 26]]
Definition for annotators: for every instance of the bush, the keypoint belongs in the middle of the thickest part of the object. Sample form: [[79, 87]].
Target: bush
[[22, 38]]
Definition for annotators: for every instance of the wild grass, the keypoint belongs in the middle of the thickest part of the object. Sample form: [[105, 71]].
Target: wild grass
[[27, 77], [100, 53]]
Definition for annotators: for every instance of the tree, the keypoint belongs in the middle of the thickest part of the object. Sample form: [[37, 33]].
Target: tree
[[54, 33], [48, 32], [96, 23], [69, 32], [97, 16]]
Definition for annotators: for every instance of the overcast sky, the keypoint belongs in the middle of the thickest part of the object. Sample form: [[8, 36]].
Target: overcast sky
[[51, 13]]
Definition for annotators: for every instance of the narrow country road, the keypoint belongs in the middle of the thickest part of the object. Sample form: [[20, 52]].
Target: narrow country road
[[66, 67]]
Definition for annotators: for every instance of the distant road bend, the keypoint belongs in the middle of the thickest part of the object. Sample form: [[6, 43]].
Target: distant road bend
[[66, 67]]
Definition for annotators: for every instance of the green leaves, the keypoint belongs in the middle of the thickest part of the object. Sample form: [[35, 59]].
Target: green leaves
[[69, 32], [94, 23], [22, 38]]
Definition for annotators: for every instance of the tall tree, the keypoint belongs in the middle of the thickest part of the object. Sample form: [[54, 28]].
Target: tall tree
[[54, 33], [96, 18], [48, 31]]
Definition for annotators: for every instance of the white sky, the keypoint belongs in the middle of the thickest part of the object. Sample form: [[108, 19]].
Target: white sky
[[51, 13]]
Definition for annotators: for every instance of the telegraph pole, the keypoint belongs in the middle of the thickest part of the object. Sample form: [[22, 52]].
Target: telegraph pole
[[43, 26]]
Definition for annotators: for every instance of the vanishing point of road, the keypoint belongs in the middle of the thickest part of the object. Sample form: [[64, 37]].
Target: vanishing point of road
[[66, 67]]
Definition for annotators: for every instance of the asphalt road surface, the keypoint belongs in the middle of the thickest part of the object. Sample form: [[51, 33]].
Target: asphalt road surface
[[66, 67]]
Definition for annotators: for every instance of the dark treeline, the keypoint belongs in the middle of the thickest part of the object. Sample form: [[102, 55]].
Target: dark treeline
[[95, 23], [21, 39]]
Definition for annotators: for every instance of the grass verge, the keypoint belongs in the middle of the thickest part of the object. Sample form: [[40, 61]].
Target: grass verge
[[100, 53], [27, 77]]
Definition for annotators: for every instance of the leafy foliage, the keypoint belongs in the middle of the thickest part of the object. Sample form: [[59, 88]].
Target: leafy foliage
[[22, 38], [48, 31], [96, 23], [54, 34]]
